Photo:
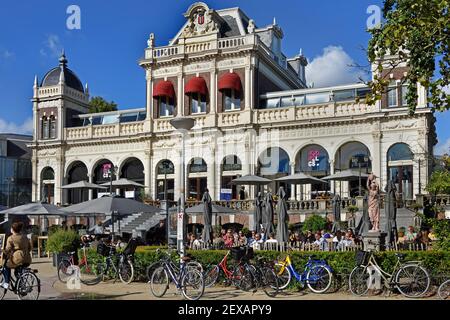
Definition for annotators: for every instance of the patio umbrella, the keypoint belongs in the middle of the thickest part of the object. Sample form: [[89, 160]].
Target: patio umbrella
[[364, 223], [108, 205], [267, 217], [207, 217], [257, 218], [36, 209], [83, 185], [336, 213], [390, 210], [251, 180], [122, 182], [346, 175], [283, 217], [300, 178]]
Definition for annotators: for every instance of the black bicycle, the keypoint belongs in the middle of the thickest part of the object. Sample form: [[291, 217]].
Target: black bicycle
[[25, 284], [115, 264]]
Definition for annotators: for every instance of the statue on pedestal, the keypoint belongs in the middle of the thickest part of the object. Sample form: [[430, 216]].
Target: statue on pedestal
[[374, 203]]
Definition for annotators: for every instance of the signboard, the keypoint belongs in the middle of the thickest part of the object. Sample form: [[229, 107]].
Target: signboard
[[129, 194], [225, 194], [180, 226], [2, 247], [106, 169], [313, 158]]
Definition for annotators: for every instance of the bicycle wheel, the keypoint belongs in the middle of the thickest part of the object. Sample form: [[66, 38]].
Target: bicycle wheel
[[284, 275], [412, 281], [65, 271], [243, 278], [2, 279], [358, 282], [192, 284], [443, 291], [159, 282], [28, 286], [269, 282], [91, 274], [126, 271], [319, 279], [195, 265], [211, 276], [151, 268]]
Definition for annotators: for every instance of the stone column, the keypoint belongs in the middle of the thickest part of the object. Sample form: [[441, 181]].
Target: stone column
[[59, 176], [91, 180], [293, 191], [180, 95], [148, 77], [211, 175], [148, 169]]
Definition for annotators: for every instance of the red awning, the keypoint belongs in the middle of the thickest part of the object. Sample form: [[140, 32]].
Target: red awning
[[164, 89], [230, 80], [196, 85]]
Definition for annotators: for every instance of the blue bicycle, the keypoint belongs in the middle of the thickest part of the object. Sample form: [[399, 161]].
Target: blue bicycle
[[317, 274], [188, 280]]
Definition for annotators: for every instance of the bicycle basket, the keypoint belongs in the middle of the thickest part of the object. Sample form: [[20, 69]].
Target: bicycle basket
[[362, 258]]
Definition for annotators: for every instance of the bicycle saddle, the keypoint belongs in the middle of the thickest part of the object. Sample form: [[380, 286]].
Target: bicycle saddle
[[186, 259]]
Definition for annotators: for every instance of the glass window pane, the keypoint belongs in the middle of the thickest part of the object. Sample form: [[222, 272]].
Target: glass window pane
[[392, 96], [128, 117], [287, 102], [273, 103], [97, 120], [142, 116], [86, 121], [109, 119], [362, 93], [227, 102], [343, 95], [313, 98], [299, 100], [404, 92]]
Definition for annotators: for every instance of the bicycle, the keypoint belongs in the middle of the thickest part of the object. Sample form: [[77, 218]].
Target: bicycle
[[185, 279], [23, 285], [67, 268], [317, 274], [410, 278], [265, 277], [241, 275], [444, 290], [120, 264]]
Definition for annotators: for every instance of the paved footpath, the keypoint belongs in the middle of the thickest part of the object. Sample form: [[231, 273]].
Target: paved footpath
[[52, 288]]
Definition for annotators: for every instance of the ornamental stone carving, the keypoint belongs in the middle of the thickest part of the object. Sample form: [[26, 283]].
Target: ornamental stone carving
[[200, 21]]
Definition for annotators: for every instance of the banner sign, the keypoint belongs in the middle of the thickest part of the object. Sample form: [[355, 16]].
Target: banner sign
[[313, 158]]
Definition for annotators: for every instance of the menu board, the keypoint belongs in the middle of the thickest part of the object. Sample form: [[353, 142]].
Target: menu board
[[2, 246]]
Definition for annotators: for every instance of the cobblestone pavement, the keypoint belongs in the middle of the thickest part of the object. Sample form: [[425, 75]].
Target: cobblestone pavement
[[52, 288]]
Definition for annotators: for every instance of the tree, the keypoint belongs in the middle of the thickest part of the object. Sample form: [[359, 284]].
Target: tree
[[314, 223], [439, 182], [98, 104], [418, 31]]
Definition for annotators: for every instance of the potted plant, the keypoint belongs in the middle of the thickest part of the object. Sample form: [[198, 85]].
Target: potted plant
[[60, 242]]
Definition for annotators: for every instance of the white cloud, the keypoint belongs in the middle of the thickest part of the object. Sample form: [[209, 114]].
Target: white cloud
[[11, 127], [331, 68], [6, 55], [53, 46], [442, 148]]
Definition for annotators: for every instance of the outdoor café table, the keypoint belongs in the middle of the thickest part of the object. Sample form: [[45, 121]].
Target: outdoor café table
[[41, 239]]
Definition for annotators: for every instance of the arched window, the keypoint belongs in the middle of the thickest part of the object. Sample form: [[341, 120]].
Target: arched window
[[165, 167], [198, 165], [133, 170], [44, 128], [231, 88], [400, 151], [273, 161], [352, 155], [231, 163], [48, 174], [52, 127]]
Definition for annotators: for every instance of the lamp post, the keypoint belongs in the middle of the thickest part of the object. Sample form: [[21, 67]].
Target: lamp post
[[9, 181], [357, 160], [182, 125]]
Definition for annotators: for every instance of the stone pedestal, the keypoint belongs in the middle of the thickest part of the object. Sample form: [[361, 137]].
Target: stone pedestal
[[374, 240]]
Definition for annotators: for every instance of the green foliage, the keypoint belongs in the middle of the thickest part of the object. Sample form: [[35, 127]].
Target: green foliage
[[245, 231], [435, 261], [62, 241], [98, 104], [439, 182], [314, 223], [418, 32], [54, 228]]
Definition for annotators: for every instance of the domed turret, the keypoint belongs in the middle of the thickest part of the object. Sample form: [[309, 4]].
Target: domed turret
[[54, 76]]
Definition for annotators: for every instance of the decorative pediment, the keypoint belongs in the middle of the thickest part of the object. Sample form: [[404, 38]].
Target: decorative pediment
[[201, 21]]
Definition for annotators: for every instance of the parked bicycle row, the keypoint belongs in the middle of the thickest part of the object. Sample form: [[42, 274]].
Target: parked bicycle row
[[240, 268]]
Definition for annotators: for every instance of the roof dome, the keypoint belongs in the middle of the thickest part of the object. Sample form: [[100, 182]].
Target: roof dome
[[71, 80]]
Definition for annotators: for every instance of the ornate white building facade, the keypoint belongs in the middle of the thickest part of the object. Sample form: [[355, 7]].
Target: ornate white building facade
[[253, 112]]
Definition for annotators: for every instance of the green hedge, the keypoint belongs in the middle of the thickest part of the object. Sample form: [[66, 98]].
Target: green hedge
[[436, 262]]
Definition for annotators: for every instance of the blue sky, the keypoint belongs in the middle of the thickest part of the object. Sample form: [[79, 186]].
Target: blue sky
[[113, 35]]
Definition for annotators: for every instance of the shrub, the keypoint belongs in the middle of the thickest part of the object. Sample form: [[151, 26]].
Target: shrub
[[314, 223], [435, 261], [62, 241]]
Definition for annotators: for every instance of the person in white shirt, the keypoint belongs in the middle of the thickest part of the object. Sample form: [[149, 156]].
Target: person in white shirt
[[257, 244], [271, 238]]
